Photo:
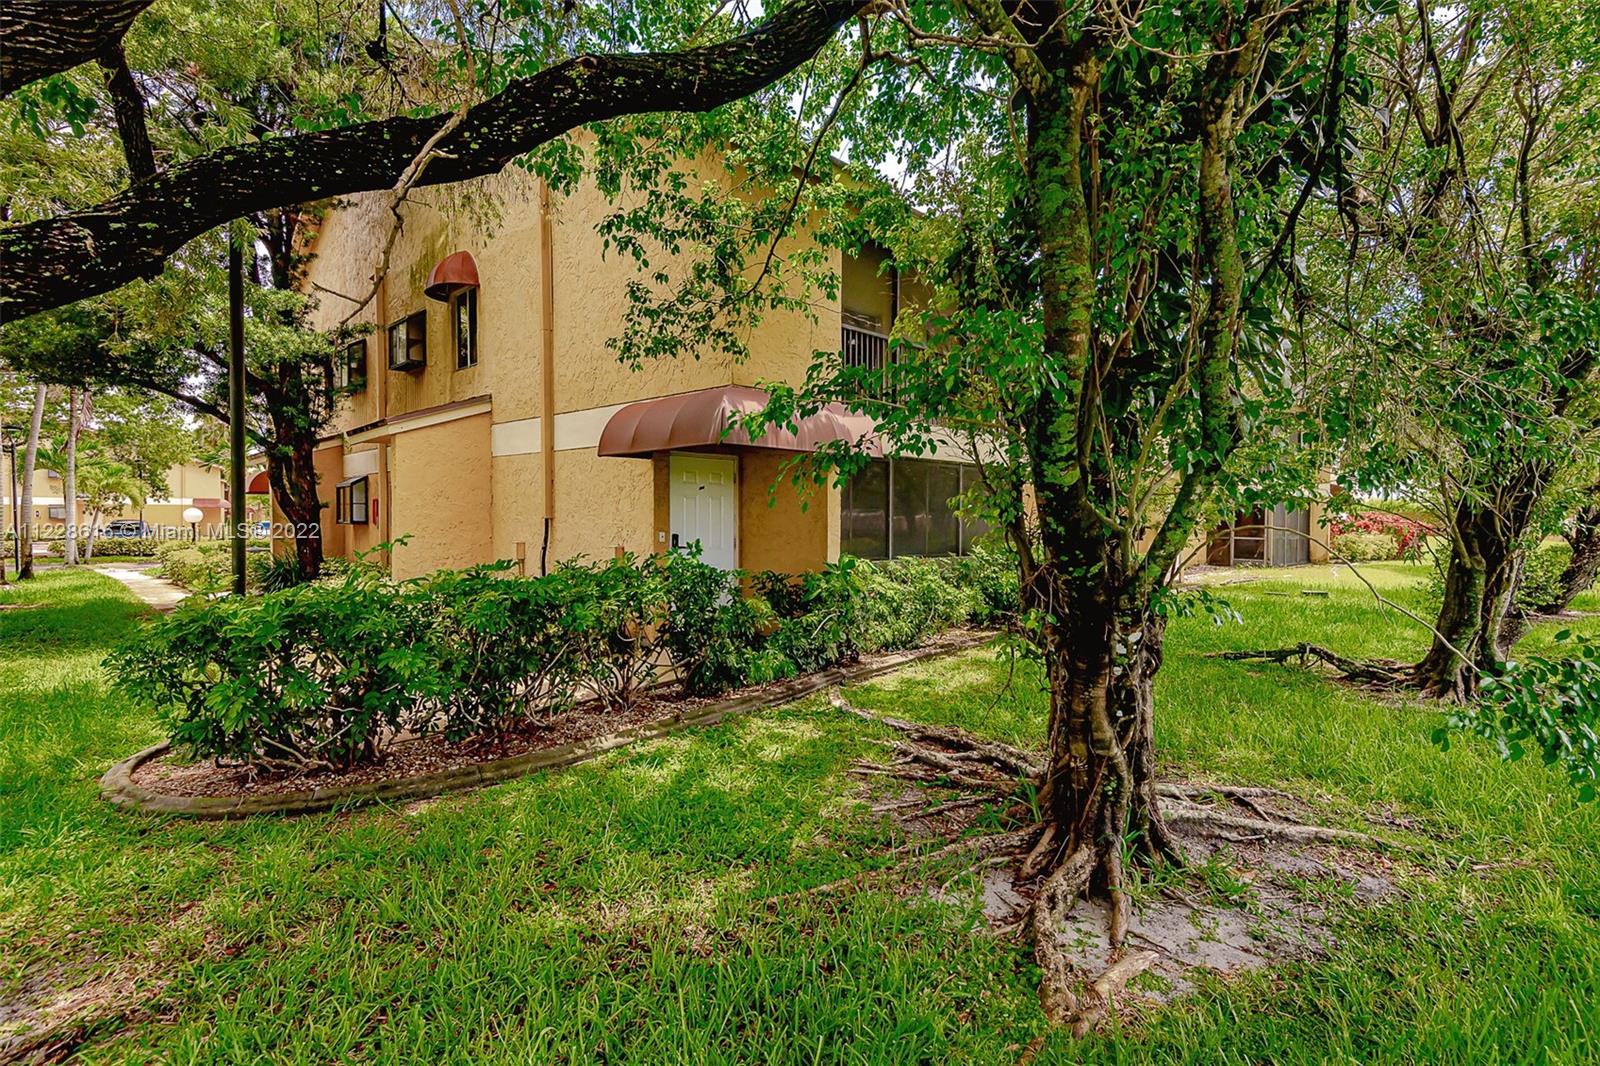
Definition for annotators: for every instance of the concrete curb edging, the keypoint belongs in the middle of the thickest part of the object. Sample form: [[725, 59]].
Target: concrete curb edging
[[117, 785]]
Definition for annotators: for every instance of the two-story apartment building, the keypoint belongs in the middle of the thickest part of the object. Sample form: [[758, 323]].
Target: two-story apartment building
[[492, 421], [188, 485]]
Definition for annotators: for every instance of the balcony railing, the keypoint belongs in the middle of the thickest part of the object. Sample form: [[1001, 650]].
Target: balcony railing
[[860, 348]]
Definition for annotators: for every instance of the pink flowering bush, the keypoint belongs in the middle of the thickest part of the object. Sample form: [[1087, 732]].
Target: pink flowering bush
[[1407, 533]]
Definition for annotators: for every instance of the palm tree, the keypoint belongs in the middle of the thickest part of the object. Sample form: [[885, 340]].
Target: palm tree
[[106, 484]]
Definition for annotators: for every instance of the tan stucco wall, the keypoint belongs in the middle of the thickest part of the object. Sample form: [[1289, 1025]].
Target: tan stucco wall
[[599, 503], [330, 471], [602, 504], [867, 288], [442, 496], [778, 530]]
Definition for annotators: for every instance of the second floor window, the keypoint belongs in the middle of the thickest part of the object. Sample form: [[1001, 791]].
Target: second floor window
[[464, 308], [408, 342], [350, 367]]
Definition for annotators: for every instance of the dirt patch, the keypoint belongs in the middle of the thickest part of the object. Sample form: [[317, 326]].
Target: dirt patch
[[1268, 915], [1263, 881]]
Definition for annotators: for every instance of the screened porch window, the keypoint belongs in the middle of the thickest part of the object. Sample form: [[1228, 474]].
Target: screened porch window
[[902, 507]]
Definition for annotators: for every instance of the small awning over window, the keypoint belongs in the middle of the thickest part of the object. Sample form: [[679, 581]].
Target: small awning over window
[[450, 275], [697, 419]]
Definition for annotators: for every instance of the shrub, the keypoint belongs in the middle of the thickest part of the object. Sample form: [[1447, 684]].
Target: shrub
[[1366, 547], [507, 648], [617, 614], [715, 636], [206, 566], [273, 573], [327, 672], [819, 614], [129, 547], [318, 675], [1542, 569], [990, 572], [905, 601], [1407, 533]]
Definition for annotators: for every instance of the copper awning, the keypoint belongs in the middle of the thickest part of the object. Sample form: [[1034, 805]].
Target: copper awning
[[258, 485], [698, 419], [450, 275]]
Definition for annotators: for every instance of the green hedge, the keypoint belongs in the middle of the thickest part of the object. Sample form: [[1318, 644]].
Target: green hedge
[[1367, 547], [325, 673]]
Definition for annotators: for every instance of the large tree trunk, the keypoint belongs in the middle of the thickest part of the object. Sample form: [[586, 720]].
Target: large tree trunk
[[1476, 626], [292, 472], [30, 457], [1580, 575], [1471, 632], [1584, 569], [1099, 786]]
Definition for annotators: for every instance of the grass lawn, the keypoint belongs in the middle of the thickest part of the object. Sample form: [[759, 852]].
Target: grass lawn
[[644, 907]]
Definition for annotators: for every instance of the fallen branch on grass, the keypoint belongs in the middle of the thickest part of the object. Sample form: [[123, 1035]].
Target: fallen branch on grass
[[1375, 671]]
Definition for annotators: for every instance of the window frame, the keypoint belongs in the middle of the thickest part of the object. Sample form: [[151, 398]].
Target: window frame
[[966, 529], [350, 356], [467, 298], [414, 356], [344, 501]]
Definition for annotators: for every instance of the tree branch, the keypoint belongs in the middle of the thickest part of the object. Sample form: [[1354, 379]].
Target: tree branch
[[39, 38], [55, 261], [128, 105]]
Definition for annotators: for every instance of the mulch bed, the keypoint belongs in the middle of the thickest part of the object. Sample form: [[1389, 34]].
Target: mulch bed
[[171, 775]]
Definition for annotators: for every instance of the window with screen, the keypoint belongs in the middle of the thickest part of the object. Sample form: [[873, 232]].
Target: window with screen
[[350, 502], [350, 369], [905, 507], [864, 514], [408, 342], [465, 308]]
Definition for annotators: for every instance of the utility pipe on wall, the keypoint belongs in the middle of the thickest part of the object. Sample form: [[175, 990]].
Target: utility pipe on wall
[[236, 516]]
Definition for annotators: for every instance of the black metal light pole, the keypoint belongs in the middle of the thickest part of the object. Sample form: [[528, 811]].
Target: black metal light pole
[[236, 518], [16, 502]]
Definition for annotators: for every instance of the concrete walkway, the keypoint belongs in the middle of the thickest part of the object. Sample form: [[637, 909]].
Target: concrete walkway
[[158, 592]]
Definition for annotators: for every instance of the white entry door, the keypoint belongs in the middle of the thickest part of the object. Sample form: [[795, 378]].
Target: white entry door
[[705, 506]]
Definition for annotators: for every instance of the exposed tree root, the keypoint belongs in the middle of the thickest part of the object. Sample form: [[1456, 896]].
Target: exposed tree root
[[1384, 672], [981, 847], [959, 750], [1096, 1002], [990, 771], [1225, 826], [1051, 908], [1244, 795]]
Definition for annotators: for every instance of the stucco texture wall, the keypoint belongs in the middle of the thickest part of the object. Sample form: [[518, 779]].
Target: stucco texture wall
[[442, 496], [602, 504], [778, 529]]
